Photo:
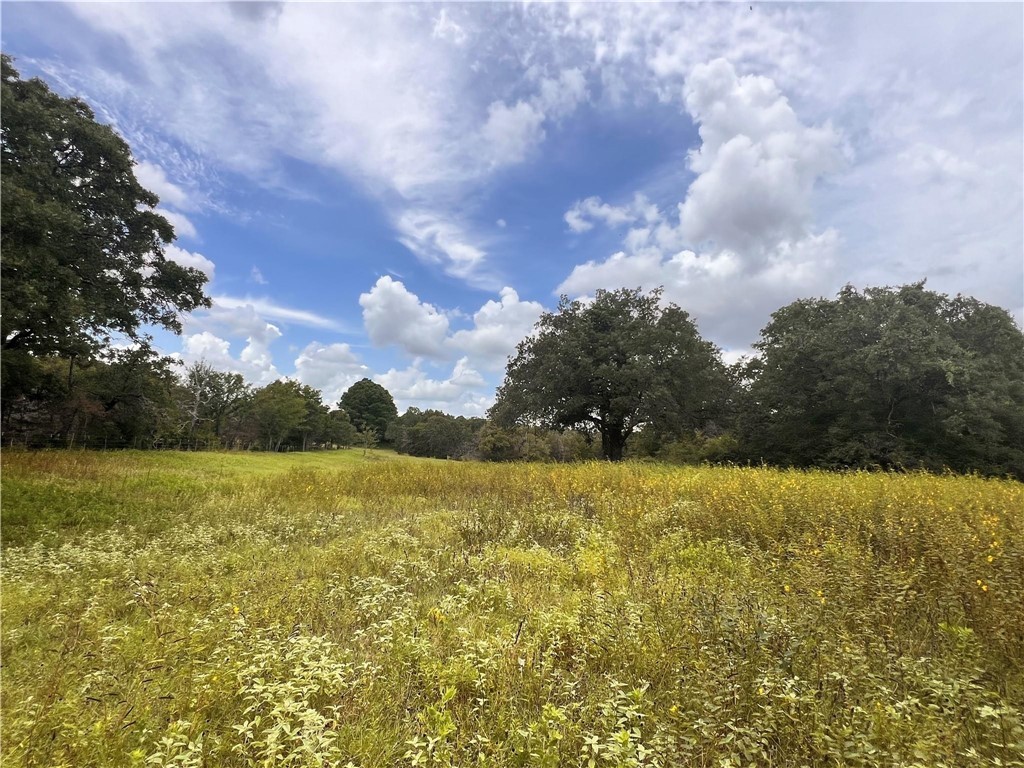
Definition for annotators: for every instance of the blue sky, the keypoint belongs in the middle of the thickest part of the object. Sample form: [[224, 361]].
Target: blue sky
[[399, 190]]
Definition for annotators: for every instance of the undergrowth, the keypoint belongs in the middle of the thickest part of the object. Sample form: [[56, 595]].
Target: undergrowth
[[197, 610]]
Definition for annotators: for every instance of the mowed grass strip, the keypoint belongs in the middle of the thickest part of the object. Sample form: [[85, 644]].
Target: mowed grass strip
[[341, 608]]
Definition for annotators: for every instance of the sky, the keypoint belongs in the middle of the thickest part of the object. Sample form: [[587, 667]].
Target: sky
[[398, 191]]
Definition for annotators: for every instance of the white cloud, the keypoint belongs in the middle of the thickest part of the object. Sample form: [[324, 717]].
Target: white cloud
[[501, 223], [189, 259], [584, 213], [395, 316], [757, 163], [446, 29], [511, 131], [183, 227], [746, 218], [498, 326], [153, 178], [271, 309], [254, 362], [437, 240], [331, 368], [256, 276], [457, 394]]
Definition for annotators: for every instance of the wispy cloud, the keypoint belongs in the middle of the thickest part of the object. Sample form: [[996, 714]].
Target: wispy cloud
[[268, 308]]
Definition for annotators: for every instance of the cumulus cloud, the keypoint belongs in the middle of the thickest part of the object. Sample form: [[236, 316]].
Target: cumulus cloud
[[756, 165], [331, 368], [183, 226], [746, 219], [457, 394], [498, 326], [393, 315], [189, 259], [153, 178], [512, 131], [254, 363]]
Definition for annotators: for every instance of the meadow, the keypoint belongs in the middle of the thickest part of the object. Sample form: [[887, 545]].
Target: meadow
[[360, 609]]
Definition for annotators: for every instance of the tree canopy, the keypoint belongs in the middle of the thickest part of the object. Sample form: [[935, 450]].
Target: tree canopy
[[888, 377], [369, 406], [618, 364], [83, 249]]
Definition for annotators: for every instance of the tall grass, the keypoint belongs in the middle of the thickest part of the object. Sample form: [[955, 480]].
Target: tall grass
[[212, 609]]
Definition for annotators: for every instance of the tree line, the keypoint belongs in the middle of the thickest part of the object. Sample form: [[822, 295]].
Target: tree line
[[887, 377]]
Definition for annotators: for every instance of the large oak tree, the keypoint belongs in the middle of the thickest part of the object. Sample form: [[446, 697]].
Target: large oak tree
[[83, 247], [889, 377], [621, 363]]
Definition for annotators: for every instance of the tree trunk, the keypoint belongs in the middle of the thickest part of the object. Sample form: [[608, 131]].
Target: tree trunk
[[613, 443]]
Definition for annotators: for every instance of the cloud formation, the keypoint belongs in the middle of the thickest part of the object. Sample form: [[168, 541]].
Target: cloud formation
[[395, 316], [741, 243]]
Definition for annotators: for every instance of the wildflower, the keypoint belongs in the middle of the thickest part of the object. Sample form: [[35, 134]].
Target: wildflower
[[786, 588]]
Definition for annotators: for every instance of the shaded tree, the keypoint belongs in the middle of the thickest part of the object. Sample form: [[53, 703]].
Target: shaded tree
[[615, 365], [83, 249], [277, 410], [369, 406], [340, 430], [888, 377], [433, 433], [207, 397]]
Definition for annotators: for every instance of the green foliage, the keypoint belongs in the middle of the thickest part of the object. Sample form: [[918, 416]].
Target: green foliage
[[208, 399], [613, 365], [369, 406], [433, 433], [889, 377], [279, 409], [82, 246]]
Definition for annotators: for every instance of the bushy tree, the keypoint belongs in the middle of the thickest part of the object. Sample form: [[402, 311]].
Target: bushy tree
[[615, 365], [433, 433], [888, 377], [369, 406], [277, 410], [83, 249]]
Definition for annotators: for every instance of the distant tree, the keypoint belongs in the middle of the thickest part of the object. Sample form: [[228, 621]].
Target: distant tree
[[615, 365], [432, 433], [340, 430], [369, 406], [82, 247], [206, 398], [888, 377], [277, 410], [314, 425]]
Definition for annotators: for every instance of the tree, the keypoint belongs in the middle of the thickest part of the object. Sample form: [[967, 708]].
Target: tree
[[207, 397], [888, 377], [277, 410], [340, 430], [83, 254], [433, 433], [314, 425], [617, 364], [369, 406]]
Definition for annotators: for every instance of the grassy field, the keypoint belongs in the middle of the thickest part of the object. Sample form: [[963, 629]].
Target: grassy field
[[335, 609]]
